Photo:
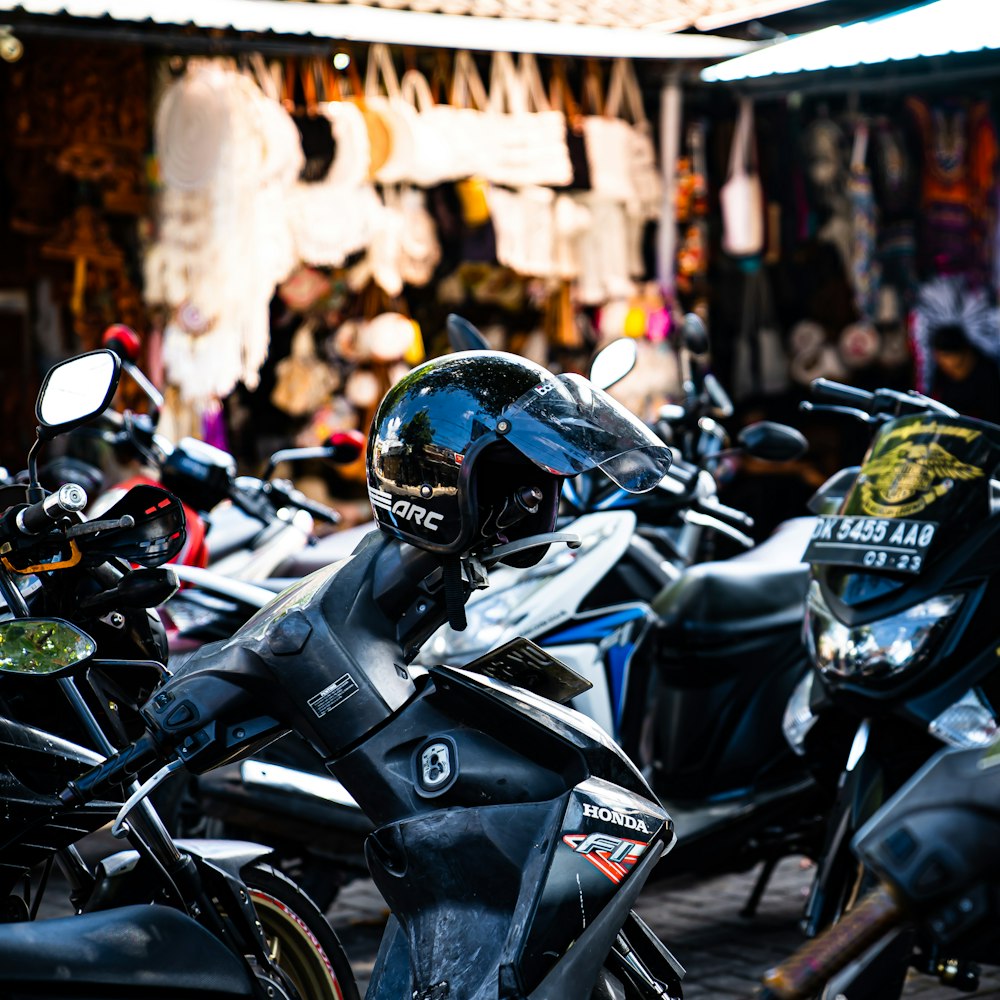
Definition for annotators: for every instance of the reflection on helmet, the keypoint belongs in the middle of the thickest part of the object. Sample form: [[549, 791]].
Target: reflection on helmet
[[465, 451]]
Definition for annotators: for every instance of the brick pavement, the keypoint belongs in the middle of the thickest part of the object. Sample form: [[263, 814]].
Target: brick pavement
[[724, 954]]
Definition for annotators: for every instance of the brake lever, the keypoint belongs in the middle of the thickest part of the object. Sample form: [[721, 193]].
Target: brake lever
[[707, 521], [284, 490], [910, 402], [120, 828], [501, 552], [848, 411], [96, 527]]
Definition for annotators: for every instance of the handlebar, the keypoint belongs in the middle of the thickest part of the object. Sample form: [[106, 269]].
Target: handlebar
[[119, 767], [802, 974], [287, 492], [872, 407], [843, 395], [39, 517], [262, 499], [341, 448]]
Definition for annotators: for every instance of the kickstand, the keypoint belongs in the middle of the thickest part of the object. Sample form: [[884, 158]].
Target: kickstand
[[749, 910]]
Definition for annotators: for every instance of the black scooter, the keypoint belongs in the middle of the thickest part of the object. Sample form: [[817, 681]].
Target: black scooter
[[900, 618], [243, 929], [692, 665], [512, 835], [931, 848]]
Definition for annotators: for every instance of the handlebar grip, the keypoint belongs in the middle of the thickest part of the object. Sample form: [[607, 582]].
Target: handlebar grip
[[123, 340], [347, 446], [802, 974], [694, 333], [836, 392], [320, 511], [39, 517], [119, 767]]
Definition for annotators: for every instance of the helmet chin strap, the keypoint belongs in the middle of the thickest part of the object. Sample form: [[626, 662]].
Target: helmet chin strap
[[454, 593]]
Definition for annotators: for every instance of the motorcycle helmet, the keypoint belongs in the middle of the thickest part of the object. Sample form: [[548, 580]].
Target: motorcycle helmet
[[470, 450]]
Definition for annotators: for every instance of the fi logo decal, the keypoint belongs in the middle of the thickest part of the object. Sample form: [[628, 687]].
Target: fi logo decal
[[613, 856]]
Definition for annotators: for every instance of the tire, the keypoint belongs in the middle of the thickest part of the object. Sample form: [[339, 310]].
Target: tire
[[303, 945]]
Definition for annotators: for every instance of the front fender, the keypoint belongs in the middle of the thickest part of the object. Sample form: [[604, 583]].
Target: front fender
[[122, 879]]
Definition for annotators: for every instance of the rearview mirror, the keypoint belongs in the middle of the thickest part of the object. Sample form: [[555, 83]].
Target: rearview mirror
[[463, 336], [694, 334], [76, 391], [773, 442], [612, 363], [42, 646]]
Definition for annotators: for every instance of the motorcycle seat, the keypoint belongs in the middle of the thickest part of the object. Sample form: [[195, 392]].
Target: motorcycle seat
[[784, 547], [134, 947], [763, 589]]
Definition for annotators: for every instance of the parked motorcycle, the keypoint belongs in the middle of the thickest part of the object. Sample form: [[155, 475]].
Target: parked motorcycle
[[690, 666], [691, 663], [243, 928], [609, 610], [930, 847], [512, 835], [899, 618], [245, 527]]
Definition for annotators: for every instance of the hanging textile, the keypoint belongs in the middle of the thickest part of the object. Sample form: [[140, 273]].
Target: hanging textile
[[222, 242], [960, 156], [864, 268]]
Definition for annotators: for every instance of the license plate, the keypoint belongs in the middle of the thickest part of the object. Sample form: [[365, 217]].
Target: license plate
[[871, 542], [523, 663]]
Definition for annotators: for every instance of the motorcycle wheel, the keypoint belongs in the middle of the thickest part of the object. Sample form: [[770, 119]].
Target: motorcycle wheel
[[301, 941]]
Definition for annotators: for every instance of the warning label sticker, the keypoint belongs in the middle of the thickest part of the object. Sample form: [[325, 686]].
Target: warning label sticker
[[335, 694]]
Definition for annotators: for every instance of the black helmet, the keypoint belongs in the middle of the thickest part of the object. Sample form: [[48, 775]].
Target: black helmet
[[471, 448]]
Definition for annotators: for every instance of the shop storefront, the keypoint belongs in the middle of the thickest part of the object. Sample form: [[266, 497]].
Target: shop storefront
[[287, 219], [289, 215], [862, 202]]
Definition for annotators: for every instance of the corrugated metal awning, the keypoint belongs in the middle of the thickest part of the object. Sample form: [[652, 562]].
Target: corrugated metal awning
[[941, 28], [439, 23]]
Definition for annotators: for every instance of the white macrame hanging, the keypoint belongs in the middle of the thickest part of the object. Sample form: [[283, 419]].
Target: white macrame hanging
[[224, 239]]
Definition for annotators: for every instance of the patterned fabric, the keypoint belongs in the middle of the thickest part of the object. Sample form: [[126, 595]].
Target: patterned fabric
[[864, 267], [960, 154]]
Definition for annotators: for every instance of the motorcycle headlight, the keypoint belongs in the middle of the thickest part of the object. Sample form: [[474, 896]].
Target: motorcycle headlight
[[880, 648]]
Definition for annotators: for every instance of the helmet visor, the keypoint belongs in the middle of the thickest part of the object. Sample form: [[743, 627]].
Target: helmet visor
[[568, 426]]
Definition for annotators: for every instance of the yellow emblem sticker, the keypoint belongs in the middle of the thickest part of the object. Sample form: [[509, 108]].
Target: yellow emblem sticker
[[906, 479]]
